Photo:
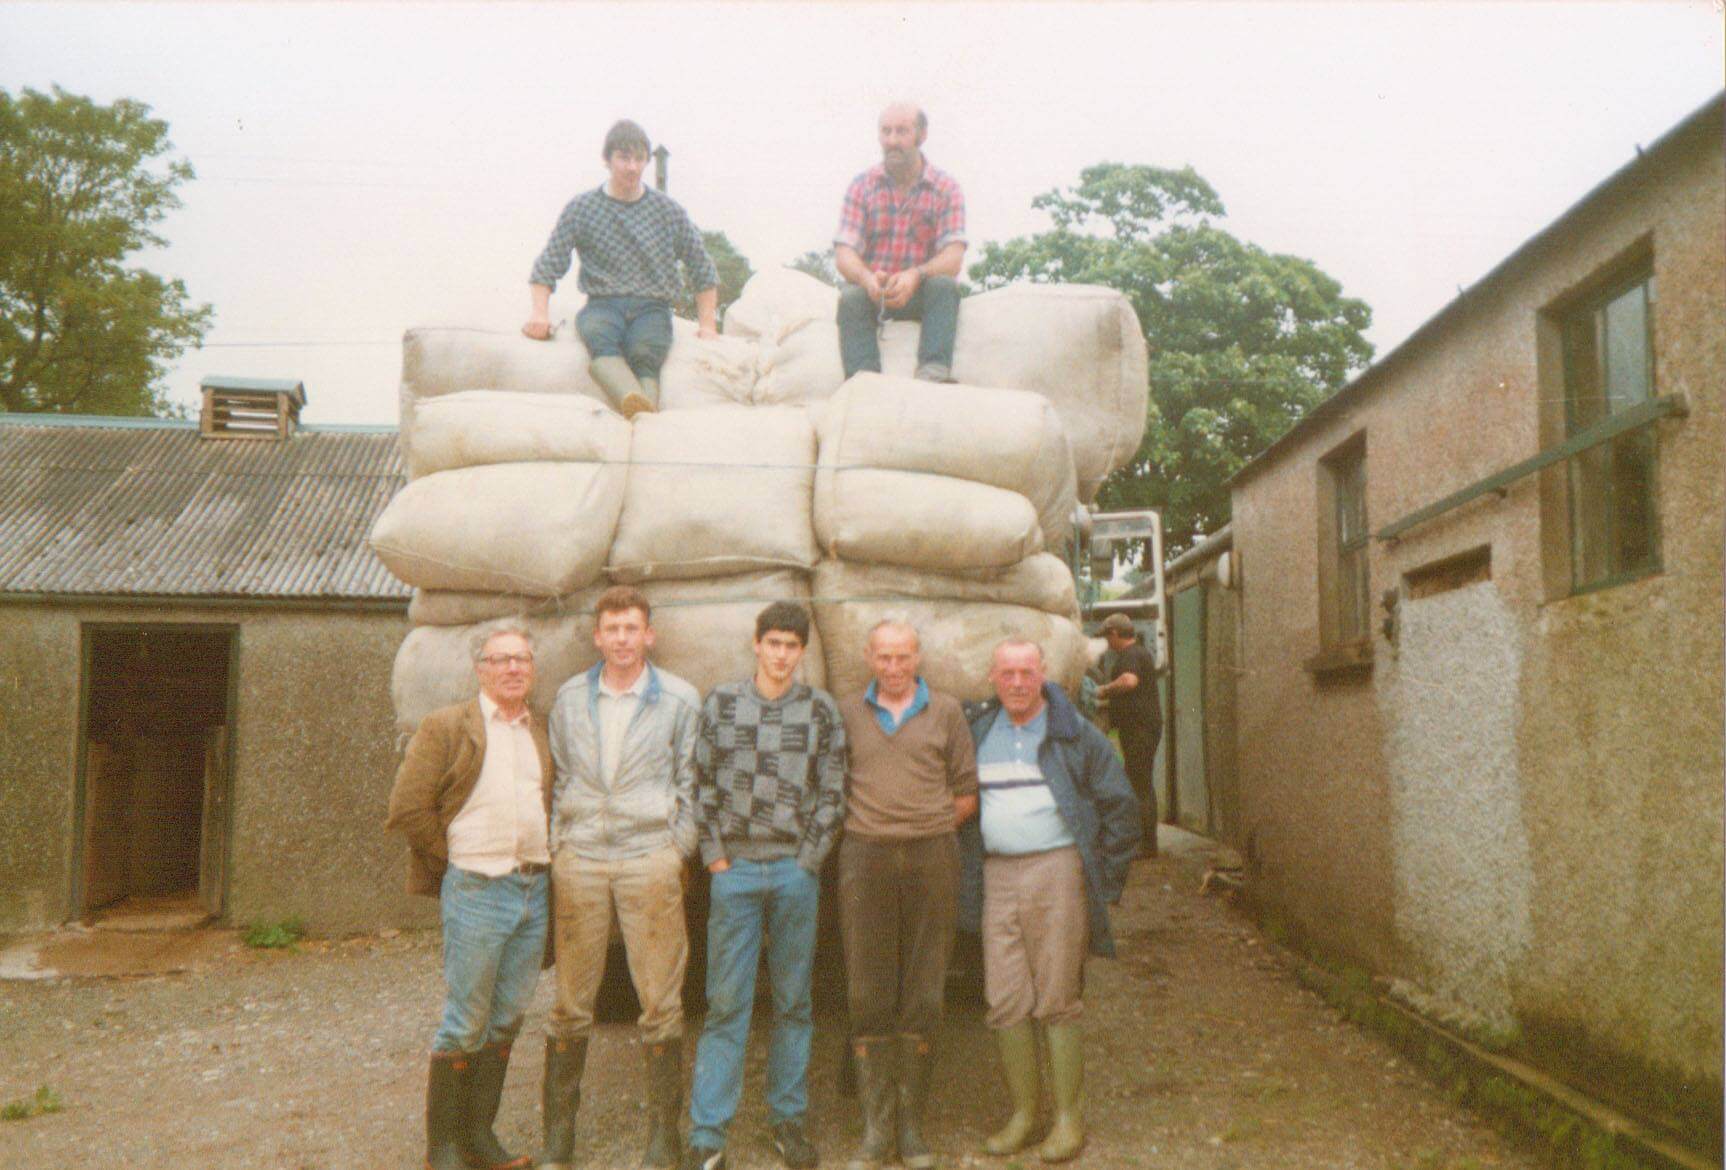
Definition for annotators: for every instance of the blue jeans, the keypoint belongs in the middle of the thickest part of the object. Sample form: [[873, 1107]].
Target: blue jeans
[[493, 945], [637, 329], [779, 896], [935, 303]]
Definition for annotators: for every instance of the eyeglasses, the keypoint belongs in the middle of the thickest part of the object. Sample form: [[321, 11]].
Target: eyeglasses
[[503, 660]]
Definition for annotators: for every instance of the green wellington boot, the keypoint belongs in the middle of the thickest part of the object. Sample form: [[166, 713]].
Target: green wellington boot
[[664, 1104], [877, 1062], [916, 1060], [446, 1111], [1067, 1082], [649, 389], [1018, 1045], [560, 1097], [485, 1074], [620, 385]]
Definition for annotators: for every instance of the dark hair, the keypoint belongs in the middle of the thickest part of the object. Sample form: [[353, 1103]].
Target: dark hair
[[787, 616], [625, 136], [620, 598]]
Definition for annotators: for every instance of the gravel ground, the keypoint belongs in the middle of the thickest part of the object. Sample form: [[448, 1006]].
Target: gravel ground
[[1204, 1052]]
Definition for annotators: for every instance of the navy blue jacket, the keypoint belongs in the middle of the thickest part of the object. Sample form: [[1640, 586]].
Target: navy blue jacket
[[1095, 800]]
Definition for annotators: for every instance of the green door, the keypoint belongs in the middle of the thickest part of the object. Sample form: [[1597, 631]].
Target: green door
[[1192, 799]]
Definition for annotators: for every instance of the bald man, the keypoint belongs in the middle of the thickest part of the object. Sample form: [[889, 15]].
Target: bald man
[[913, 781], [900, 246]]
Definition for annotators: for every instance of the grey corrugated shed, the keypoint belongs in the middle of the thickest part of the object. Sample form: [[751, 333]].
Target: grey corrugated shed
[[129, 507]]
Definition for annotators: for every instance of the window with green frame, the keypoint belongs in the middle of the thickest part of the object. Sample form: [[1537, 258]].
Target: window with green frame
[[1609, 368]]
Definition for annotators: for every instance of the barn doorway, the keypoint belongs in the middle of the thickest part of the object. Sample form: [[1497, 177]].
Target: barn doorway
[[155, 775]]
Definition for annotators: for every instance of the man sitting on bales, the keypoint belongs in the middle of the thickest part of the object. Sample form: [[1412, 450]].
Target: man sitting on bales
[[900, 245], [630, 238]]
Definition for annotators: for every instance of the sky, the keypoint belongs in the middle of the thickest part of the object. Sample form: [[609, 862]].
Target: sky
[[364, 169]]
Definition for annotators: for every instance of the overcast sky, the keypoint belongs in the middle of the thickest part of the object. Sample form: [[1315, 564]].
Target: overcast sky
[[364, 169]]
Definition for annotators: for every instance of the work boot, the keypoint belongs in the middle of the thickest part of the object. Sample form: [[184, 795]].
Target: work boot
[[664, 1104], [485, 1072], [560, 1096], [1018, 1045], [620, 385], [1067, 1083], [916, 1058], [877, 1062], [446, 1111]]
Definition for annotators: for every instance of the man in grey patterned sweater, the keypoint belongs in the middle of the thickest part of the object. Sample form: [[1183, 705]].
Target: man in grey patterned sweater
[[630, 239], [770, 794]]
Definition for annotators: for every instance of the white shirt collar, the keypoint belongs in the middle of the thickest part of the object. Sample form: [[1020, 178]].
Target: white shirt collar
[[636, 688], [490, 711]]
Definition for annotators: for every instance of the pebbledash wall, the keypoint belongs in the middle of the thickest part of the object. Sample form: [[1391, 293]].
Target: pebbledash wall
[[314, 753], [1509, 801]]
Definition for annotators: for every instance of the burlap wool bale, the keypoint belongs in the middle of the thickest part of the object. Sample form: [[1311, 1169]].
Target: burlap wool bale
[[445, 607], [776, 300], [1079, 346], [1008, 439], [956, 638], [476, 427], [535, 528], [1039, 582], [704, 631], [442, 360], [434, 666], [921, 521], [715, 493]]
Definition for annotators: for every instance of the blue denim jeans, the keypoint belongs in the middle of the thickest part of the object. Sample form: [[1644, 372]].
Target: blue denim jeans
[[776, 898], [493, 945], [935, 303], [638, 329]]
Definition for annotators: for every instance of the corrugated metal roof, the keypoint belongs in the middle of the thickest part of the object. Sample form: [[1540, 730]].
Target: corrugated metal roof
[[117, 507]]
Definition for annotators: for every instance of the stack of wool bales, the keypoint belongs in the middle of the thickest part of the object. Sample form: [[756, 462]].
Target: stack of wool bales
[[762, 478]]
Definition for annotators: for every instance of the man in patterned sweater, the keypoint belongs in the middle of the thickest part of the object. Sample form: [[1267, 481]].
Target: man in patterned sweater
[[770, 795], [630, 239]]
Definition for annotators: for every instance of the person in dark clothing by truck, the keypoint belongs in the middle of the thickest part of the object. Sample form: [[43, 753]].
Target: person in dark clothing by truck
[[1136, 714]]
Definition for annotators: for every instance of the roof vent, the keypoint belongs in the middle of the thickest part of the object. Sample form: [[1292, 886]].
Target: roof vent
[[250, 408]]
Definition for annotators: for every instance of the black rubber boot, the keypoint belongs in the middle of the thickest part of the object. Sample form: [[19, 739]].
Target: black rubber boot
[[446, 1111], [877, 1063], [916, 1058], [485, 1073], [664, 1104], [560, 1096]]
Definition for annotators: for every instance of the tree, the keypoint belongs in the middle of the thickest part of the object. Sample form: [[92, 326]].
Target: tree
[[821, 266], [82, 186], [734, 273], [1242, 342]]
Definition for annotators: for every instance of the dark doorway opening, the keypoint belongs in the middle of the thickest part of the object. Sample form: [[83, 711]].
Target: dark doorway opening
[[155, 774]]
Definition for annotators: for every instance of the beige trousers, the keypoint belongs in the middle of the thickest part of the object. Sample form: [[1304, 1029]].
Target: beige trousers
[[647, 893], [1035, 935]]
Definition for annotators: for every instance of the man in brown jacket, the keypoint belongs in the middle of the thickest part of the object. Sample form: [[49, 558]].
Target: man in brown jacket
[[473, 799], [913, 781]]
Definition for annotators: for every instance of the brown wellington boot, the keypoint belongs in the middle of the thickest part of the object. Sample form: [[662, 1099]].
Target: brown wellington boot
[[916, 1060], [486, 1070], [877, 1061], [560, 1097], [664, 1104], [446, 1111]]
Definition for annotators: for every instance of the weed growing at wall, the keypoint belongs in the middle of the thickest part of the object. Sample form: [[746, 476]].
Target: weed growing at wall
[[275, 935], [43, 1100]]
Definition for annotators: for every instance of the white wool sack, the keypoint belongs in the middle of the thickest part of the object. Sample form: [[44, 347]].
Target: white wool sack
[[447, 607], [704, 631], [922, 521], [1008, 439], [776, 300], [443, 360], [535, 528], [474, 427], [1040, 582], [956, 638], [434, 666], [1079, 346], [717, 492]]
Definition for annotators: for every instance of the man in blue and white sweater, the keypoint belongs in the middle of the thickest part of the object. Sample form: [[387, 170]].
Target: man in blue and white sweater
[[770, 796]]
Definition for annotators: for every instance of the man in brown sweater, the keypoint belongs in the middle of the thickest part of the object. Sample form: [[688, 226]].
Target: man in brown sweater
[[473, 799], [913, 780]]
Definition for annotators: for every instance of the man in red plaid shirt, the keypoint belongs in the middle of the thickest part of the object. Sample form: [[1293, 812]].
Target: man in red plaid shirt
[[900, 244]]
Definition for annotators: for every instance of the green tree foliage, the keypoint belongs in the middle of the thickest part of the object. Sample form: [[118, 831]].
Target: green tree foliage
[[1242, 342], [820, 265], [734, 273], [82, 187]]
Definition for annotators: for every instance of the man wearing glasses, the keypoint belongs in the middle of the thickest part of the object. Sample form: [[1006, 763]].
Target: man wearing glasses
[[473, 797]]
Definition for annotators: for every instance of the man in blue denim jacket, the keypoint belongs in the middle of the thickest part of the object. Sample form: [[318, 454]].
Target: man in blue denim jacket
[[1048, 854]]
